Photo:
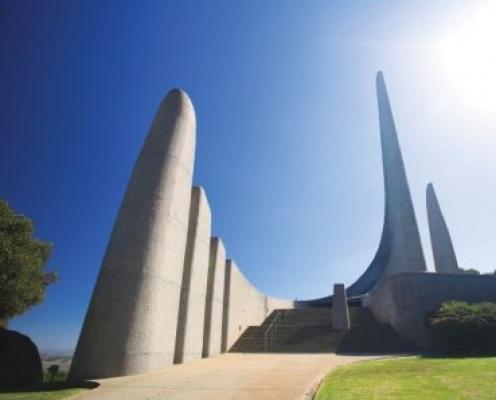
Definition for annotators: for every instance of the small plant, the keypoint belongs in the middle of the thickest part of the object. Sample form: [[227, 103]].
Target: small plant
[[53, 371], [463, 328]]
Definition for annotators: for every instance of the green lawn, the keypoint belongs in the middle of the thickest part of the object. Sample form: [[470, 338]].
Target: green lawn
[[43, 393], [55, 390], [415, 378]]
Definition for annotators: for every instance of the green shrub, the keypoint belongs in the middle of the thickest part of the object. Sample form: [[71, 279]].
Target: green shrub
[[463, 328]]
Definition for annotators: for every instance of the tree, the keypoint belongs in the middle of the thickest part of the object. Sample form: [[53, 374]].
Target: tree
[[23, 258], [468, 271]]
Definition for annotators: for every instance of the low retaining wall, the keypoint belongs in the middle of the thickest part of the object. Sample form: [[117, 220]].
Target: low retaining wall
[[404, 300], [244, 305]]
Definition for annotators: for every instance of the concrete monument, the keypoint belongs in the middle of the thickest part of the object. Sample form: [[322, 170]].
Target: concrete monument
[[442, 247], [166, 293], [131, 322], [400, 248], [162, 295]]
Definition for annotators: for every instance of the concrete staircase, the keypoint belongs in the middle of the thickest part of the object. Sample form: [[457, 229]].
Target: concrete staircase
[[309, 330]]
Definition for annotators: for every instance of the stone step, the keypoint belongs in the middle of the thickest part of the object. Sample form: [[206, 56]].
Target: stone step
[[310, 330]]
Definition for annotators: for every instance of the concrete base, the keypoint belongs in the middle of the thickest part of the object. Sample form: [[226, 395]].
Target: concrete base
[[340, 313], [404, 300]]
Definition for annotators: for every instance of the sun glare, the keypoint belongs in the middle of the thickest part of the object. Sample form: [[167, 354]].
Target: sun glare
[[468, 55]]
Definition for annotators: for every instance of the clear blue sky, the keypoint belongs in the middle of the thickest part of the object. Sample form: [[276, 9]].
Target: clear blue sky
[[288, 141]]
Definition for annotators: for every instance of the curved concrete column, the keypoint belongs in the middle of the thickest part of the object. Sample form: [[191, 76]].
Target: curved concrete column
[[130, 325], [189, 338], [212, 338], [442, 246]]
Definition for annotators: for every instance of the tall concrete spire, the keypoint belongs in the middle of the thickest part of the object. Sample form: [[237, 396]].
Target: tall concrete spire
[[130, 325], [400, 249], [442, 246]]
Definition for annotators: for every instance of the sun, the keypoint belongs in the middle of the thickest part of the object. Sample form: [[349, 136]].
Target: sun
[[468, 56]]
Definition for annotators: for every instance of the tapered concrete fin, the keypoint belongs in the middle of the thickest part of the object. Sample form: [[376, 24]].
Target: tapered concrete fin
[[226, 305], [400, 249], [130, 325], [214, 302], [442, 246], [189, 337]]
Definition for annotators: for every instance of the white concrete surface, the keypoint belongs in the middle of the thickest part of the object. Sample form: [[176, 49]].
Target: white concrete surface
[[130, 325], [244, 304], [212, 338], [189, 338], [230, 376]]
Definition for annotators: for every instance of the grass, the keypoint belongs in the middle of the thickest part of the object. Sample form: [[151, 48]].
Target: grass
[[55, 390], [413, 378]]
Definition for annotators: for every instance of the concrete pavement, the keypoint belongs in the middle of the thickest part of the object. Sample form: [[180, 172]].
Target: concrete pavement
[[228, 376]]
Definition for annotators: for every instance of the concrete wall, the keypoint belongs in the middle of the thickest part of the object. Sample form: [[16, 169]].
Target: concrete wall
[[160, 272], [404, 300], [189, 338], [130, 325], [244, 305], [212, 338]]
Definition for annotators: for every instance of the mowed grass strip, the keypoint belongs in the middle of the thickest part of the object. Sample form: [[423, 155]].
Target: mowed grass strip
[[40, 394], [418, 378], [49, 390]]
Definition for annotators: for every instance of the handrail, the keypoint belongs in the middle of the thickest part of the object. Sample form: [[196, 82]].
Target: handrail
[[269, 332]]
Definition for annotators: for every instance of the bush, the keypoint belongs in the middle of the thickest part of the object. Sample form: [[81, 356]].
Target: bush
[[463, 328]]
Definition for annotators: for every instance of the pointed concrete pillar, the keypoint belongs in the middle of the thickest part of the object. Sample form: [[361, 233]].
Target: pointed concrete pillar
[[130, 325], [214, 305], [340, 312], [442, 246], [189, 338], [226, 306], [400, 249]]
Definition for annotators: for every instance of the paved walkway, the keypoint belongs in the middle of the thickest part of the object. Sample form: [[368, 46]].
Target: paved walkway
[[229, 376]]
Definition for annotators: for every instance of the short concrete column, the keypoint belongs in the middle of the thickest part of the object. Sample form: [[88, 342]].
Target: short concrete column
[[340, 313]]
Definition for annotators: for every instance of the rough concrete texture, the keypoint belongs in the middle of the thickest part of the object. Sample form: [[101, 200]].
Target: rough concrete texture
[[340, 312], [130, 325], [212, 337], [189, 338], [244, 305], [442, 246], [404, 300], [226, 377]]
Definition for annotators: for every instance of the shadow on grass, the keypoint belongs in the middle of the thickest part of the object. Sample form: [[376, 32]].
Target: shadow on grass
[[440, 354], [50, 387]]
